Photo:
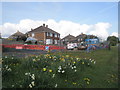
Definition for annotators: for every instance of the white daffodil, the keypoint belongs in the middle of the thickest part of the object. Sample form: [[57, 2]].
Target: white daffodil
[[34, 60], [9, 69], [94, 62], [59, 71], [59, 68], [26, 73], [6, 67], [53, 75], [33, 83], [33, 76], [74, 66], [30, 86], [56, 85], [75, 70], [63, 71]]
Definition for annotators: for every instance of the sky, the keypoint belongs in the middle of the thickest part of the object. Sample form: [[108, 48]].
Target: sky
[[97, 18]]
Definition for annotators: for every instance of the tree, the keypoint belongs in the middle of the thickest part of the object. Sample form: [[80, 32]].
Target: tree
[[113, 40]]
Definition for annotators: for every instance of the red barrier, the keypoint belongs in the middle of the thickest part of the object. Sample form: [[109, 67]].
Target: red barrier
[[32, 47]]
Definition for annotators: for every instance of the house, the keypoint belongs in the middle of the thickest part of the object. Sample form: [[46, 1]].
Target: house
[[81, 37], [17, 36], [45, 35], [69, 39], [91, 36]]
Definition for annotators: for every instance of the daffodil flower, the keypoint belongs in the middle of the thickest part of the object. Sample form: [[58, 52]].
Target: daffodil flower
[[44, 69], [82, 62], [50, 70], [30, 86]]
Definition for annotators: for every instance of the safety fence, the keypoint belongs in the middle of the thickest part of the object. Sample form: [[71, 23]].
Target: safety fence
[[33, 47]]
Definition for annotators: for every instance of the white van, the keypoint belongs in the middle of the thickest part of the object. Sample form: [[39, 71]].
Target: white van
[[71, 46]]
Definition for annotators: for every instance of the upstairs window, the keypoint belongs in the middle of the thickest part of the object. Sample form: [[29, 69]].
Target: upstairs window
[[33, 34], [47, 34], [55, 35], [58, 35], [51, 34]]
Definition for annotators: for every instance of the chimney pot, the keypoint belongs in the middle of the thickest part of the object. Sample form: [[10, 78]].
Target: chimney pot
[[31, 29], [44, 25], [47, 26]]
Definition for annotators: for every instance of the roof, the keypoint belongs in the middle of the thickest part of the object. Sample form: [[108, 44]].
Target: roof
[[81, 36], [42, 29], [17, 34], [69, 37]]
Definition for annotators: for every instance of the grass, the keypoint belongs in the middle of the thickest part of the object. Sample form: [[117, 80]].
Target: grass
[[102, 74]]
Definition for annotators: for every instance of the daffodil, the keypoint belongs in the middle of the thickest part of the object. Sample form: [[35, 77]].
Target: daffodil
[[53, 76], [30, 86], [82, 62], [75, 70], [65, 80], [63, 71], [56, 85], [33, 76], [33, 83], [44, 69], [74, 62], [67, 55], [88, 82], [50, 70], [34, 60], [74, 83]]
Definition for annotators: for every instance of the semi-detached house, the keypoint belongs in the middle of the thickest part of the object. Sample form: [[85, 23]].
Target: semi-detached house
[[45, 35]]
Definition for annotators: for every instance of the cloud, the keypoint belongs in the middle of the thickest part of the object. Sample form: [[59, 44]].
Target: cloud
[[114, 34], [63, 27]]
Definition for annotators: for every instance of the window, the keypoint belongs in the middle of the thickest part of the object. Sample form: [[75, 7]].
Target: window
[[49, 41], [55, 41], [33, 34], [51, 34], [55, 35], [47, 34], [58, 35]]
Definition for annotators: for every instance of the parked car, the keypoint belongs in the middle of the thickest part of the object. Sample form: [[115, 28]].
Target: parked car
[[82, 46]]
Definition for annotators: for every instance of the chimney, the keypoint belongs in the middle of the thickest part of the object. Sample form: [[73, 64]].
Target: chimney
[[31, 29], [44, 25]]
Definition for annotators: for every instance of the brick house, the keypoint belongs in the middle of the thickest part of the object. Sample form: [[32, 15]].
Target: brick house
[[69, 39], [17, 36], [45, 35], [81, 37]]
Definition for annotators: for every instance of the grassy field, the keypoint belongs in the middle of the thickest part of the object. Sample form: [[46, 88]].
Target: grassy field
[[71, 69]]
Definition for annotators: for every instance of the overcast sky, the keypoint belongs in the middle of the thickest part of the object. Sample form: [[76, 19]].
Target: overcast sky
[[97, 18]]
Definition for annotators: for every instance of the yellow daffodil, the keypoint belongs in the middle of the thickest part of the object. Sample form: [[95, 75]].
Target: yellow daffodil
[[67, 55], [74, 83], [74, 62], [65, 80], [44, 69], [82, 62], [50, 70]]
